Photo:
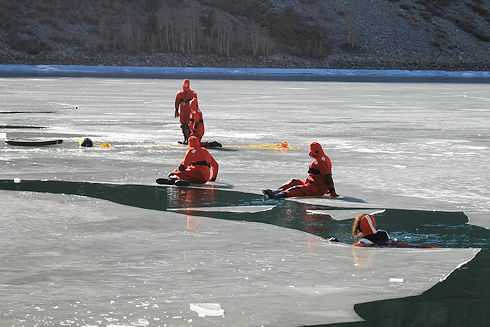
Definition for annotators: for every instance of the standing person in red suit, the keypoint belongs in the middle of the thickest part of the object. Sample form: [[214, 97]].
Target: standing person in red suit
[[196, 167], [182, 108], [318, 182]]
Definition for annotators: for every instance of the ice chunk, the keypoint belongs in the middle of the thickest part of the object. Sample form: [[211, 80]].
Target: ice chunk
[[250, 208], [207, 309], [343, 214]]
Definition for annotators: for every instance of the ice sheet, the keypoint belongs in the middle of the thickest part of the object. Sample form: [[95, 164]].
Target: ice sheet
[[415, 146], [70, 258], [393, 146]]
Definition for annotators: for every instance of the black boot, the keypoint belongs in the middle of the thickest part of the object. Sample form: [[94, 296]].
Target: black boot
[[166, 181], [181, 182], [332, 192], [278, 194]]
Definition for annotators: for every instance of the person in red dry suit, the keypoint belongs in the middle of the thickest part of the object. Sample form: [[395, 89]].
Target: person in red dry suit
[[364, 227], [197, 165], [318, 182], [182, 109], [196, 124]]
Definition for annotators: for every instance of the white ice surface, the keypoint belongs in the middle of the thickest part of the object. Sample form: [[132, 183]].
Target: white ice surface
[[207, 309], [413, 146], [71, 258]]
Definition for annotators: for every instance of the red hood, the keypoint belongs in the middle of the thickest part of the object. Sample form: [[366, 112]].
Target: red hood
[[194, 105], [194, 142], [186, 85], [316, 150]]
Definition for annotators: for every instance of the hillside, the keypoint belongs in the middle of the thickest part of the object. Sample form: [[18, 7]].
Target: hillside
[[374, 34]]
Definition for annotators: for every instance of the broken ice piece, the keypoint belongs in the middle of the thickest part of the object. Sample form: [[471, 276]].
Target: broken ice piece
[[207, 309], [396, 280]]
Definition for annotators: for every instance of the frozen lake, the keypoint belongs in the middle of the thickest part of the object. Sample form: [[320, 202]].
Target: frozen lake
[[88, 239]]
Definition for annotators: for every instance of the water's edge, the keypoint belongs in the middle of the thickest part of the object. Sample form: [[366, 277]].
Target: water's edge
[[352, 75]]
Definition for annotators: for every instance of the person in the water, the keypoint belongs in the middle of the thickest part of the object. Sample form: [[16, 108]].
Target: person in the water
[[318, 182], [364, 227]]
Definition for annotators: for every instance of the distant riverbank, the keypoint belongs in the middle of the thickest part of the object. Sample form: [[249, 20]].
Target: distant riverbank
[[360, 75]]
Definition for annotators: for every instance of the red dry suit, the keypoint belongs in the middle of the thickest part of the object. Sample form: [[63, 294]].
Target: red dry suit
[[319, 180], [367, 225], [197, 164], [182, 109], [370, 235], [196, 124]]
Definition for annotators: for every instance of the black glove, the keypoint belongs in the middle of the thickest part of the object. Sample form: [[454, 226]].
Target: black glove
[[181, 167]]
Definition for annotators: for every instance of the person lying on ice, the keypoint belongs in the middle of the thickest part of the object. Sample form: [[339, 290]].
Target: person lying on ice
[[318, 182], [196, 167], [364, 227], [182, 109]]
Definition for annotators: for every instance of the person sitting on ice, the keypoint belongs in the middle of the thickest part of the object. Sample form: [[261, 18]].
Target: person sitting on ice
[[318, 182], [364, 227], [196, 167]]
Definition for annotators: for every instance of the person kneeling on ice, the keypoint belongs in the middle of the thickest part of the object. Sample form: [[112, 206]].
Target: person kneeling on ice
[[196, 167], [364, 227], [196, 125], [318, 182]]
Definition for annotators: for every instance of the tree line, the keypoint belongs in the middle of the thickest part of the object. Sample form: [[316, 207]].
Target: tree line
[[220, 27], [181, 27]]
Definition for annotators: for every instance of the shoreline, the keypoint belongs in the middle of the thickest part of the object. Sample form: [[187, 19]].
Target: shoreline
[[279, 74]]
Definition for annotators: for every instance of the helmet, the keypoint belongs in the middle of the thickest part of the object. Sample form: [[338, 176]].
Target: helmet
[[87, 143]]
